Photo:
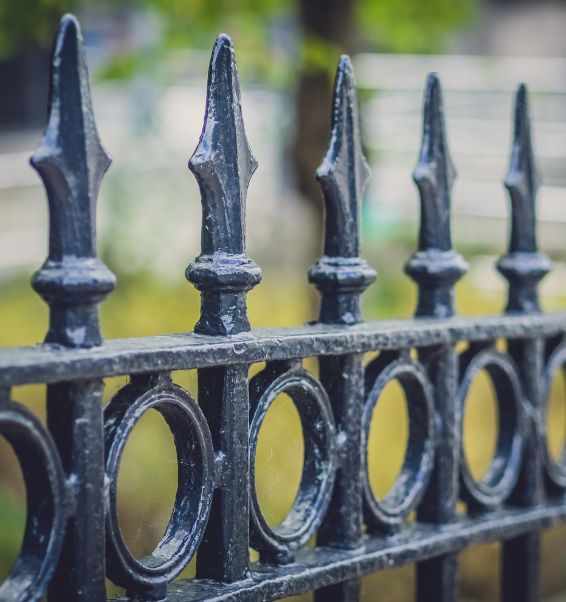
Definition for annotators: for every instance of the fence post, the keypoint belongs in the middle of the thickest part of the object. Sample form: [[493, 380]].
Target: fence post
[[523, 267], [223, 165], [71, 162], [341, 275], [436, 267]]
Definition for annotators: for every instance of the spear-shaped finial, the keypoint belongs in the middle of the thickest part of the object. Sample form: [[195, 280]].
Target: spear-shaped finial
[[223, 165], [435, 267], [524, 266], [71, 161], [341, 274]]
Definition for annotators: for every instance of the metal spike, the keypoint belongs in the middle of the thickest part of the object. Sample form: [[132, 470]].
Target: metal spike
[[70, 158], [344, 172], [223, 165], [436, 267], [223, 162], [523, 266], [340, 274], [434, 174], [71, 162], [522, 180]]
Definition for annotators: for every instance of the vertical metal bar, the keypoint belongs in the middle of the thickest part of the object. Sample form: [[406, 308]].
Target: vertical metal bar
[[341, 275], [521, 555], [523, 267], [74, 417], [436, 267], [223, 397], [437, 578], [71, 161], [223, 165]]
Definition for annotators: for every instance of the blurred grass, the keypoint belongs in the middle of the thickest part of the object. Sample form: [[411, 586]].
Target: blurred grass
[[148, 475]]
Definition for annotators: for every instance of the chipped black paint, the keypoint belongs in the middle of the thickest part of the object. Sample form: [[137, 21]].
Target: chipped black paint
[[223, 165], [524, 266], [341, 274], [73, 540], [435, 267]]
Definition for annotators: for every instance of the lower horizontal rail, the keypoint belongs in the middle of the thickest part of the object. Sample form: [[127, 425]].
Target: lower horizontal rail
[[319, 567]]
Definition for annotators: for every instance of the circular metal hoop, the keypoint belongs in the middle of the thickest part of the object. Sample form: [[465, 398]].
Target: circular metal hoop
[[45, 487], [195, 461], [500, 479], [555, 468], [315, 488], [407, 491]]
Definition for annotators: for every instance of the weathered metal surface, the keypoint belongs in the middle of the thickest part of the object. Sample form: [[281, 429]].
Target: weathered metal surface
[[73, 537], [71, 161], [341, 274], [223, 165], [322, 567], [196, 478], [435, 267], [46, 363], [524, 266]]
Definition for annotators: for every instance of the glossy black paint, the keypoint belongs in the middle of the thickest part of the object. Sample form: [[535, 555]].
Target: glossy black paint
[[73, 537]]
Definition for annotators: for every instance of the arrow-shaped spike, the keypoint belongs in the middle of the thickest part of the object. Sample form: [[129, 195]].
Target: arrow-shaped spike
[[71, 162], [434, 174], [70, 158], [223, 162], [523, 266], [344, 172], [522, 180], [435, 267]]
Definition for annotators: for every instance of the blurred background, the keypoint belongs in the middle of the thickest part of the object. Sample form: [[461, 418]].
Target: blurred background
[[148, 62]]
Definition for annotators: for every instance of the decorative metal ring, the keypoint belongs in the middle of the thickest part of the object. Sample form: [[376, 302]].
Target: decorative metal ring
[[411, 484], [501, 477], [195, 459], [555, 468], [46, 503], [315, 489]]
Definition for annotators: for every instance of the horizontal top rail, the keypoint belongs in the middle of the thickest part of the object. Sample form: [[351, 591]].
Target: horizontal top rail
[[48, 363]]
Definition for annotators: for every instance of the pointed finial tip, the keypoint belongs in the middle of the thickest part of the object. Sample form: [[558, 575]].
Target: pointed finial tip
[[224, 40], [521, 95], [69, 26], [432, 81], [345, 63]]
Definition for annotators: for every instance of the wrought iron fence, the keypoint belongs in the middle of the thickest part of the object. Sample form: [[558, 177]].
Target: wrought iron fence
[[72, 536]]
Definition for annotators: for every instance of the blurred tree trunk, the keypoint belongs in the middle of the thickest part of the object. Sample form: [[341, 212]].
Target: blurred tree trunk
[[328, 22]]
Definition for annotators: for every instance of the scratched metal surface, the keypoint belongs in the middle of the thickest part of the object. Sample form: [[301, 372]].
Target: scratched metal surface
[[73, 539]]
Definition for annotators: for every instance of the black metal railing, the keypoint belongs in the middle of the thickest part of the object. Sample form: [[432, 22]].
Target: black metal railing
[[72, 538]]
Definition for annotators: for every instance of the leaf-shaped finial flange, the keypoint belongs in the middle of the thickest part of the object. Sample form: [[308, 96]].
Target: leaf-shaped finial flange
[[344, 172], [434, 174], [71, 162], [70, 158], [524, 266], [223, 162]]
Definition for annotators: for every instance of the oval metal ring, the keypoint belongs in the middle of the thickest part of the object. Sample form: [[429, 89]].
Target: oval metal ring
[[46, 505], [195, 460], [555, 468], [315, 489], [500, 479], [411, 484]]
